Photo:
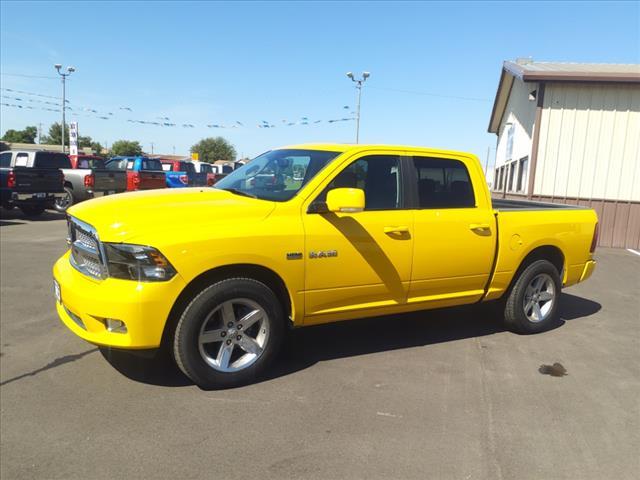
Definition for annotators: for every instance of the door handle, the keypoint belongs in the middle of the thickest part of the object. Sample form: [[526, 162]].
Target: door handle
[[481, 228], [396, 230]]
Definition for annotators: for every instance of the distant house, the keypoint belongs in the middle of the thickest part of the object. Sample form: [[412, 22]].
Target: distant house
[[570, 133]]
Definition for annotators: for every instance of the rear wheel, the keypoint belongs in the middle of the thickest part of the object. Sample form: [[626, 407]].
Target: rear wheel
[[61, 204], [229, 333], [32, 210], [532, 304]]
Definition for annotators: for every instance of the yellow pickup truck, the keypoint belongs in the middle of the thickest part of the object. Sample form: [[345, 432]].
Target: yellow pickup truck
[[219, 274]]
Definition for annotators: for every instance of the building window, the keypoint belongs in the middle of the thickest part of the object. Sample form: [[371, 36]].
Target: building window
[[510, 133], [512, 171], [496, 180], [522, 173]]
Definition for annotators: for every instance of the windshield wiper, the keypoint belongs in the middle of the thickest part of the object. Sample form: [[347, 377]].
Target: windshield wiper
[[239, 192]]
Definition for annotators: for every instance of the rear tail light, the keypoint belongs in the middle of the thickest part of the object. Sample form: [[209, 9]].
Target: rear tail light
[[594, 241], [89, 180], [136, 180], [11, 180], [184, 179]]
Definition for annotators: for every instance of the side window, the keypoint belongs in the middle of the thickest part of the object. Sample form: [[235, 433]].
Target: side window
[[5, 160], [21, 160], [443, 183], [115, 165], [130, 164], [378, 176]]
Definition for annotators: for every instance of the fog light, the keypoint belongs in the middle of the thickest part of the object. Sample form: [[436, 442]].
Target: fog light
[[115, 326]]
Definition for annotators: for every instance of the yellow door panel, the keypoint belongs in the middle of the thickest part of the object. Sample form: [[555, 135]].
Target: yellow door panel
[[371, 267]]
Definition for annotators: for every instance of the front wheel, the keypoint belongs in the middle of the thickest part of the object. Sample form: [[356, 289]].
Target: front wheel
[[229, 333], [61, 204], [532, 304]]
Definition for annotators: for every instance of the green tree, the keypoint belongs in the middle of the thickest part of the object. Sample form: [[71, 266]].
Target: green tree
[[211, 149], [126, 148], [28, 135], [55, 135], [87, 141]]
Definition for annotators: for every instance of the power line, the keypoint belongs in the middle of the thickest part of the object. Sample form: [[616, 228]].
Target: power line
[[414, 92], [27, 76]]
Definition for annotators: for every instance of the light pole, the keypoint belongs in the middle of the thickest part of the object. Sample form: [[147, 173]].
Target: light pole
[[64, 76], [358, 83]]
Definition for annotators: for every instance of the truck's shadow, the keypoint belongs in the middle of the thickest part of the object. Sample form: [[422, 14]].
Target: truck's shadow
[[307, 346]]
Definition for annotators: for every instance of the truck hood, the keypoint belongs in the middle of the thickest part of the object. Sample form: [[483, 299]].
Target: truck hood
[[127, 216]]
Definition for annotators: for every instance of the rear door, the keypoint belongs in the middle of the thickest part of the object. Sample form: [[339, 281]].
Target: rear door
[[455, 234], [362, 260]]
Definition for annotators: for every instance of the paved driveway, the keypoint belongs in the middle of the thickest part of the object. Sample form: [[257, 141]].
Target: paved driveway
[[440, 395]]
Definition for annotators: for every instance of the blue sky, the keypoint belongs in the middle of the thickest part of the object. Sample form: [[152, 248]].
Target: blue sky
[[218, 63]]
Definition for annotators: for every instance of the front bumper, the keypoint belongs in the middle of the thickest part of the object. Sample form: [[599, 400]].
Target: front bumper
[[87, 303]]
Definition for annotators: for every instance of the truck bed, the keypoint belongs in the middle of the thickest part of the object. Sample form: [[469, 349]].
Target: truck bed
[[503, 205]]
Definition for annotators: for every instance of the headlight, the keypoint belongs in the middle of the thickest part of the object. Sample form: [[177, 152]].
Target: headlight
[[136, 262]]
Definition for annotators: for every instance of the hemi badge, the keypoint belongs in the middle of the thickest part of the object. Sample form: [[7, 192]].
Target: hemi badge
[[294, 256]]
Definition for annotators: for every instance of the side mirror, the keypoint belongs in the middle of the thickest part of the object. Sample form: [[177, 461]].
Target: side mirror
[[346, 200]]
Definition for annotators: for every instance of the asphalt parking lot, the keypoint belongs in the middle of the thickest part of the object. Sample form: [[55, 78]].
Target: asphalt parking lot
[[446, 394]]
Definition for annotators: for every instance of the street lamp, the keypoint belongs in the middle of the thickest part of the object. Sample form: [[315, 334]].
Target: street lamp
[[64, 76], [358, 83]]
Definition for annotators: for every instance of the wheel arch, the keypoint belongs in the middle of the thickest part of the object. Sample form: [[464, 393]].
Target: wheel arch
[[551, 253], [243, 270]]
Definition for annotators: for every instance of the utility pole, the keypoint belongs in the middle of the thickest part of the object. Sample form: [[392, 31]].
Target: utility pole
[[358, 83], [64, 76], [151, 148], [486, 167], [40, 133]]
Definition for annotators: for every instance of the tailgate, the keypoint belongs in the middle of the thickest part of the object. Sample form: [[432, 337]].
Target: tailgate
[[38, 180], [109, 180], [150, 179]]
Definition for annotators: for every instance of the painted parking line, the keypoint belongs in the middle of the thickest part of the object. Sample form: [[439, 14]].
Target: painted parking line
[[633, 251]]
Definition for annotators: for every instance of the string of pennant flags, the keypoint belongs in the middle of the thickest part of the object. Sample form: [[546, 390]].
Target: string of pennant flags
[[161, 121]]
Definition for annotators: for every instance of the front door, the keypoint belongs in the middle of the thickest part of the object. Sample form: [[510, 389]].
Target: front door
[[362, 260]]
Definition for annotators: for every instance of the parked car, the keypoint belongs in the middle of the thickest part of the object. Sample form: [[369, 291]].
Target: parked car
[[182, 173], [142, 173], [219, 274], [87, 177], [31, 181], [213, 172]]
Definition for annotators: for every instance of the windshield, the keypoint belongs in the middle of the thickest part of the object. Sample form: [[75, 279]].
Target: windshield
[[277, 175]]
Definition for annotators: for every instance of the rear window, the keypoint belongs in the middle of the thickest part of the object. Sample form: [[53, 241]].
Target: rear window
[[151, 164], [227, 169], [51, 160], [443, 183], [91, 163], [187, 167], [116, 165], [5, 160], [204, 168]]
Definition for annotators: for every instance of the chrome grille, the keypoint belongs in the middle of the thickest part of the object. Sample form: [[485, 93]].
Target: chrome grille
[[86, 252]]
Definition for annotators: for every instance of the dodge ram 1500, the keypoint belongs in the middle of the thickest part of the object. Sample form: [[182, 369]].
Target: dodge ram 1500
[[218, 274]]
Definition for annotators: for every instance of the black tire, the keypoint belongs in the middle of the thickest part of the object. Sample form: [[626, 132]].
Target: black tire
[[32, 210], [61, 205], [515, 316], [186, 346]]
